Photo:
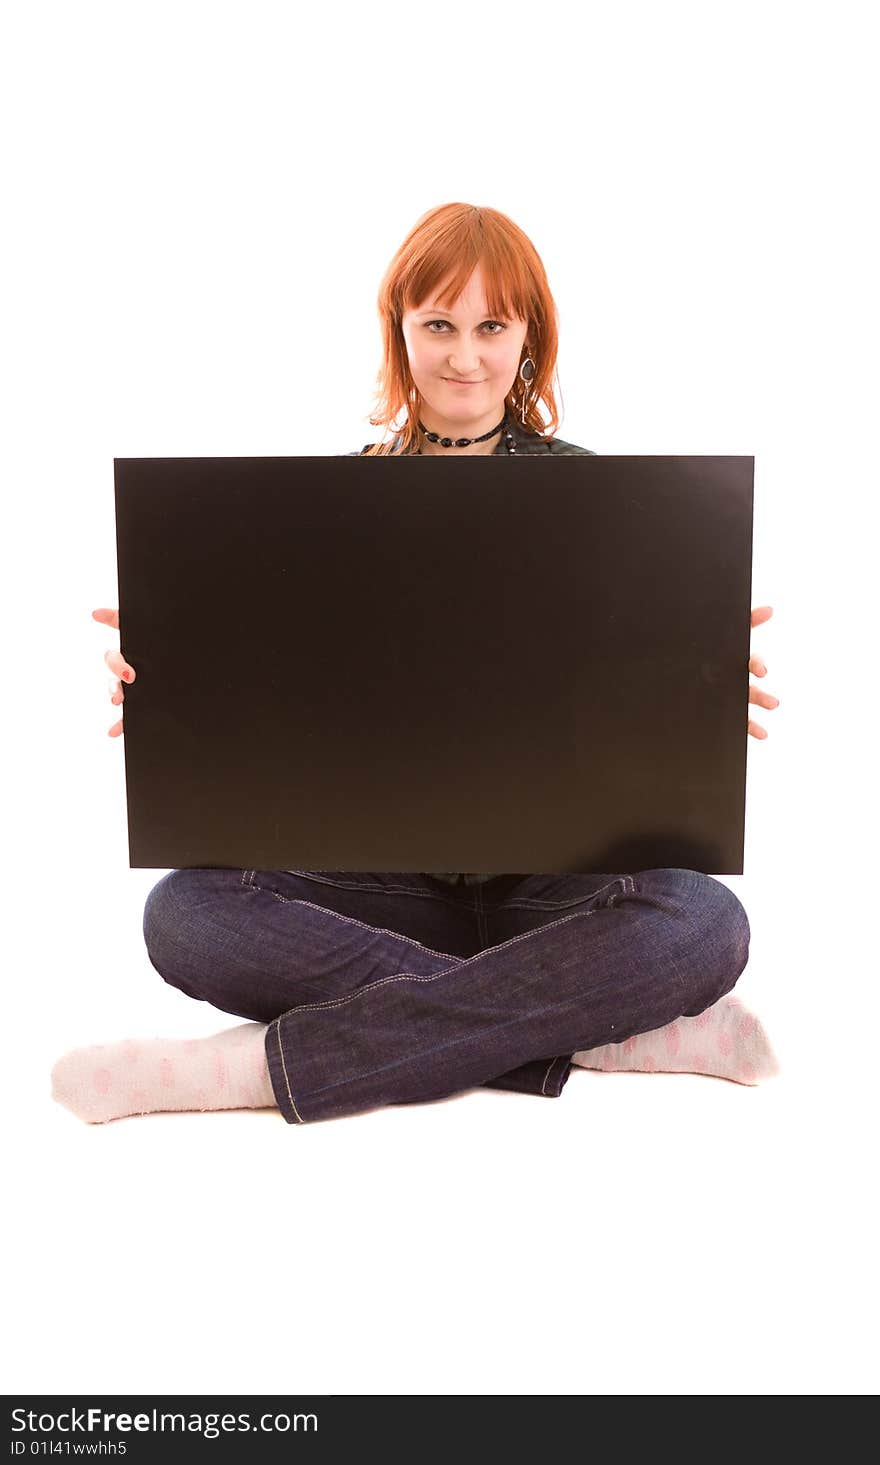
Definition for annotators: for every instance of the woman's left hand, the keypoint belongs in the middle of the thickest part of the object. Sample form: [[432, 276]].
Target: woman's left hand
[[760, 614]]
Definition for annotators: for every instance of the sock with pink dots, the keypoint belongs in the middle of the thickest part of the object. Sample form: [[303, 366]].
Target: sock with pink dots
[[725, 1041], [142, 1075]]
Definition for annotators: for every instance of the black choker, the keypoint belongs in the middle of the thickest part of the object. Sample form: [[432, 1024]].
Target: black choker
[[459, 442]]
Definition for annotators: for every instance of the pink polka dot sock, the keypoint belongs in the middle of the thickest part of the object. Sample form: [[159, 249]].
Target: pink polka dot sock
[[726, 1041], [140, 1076]]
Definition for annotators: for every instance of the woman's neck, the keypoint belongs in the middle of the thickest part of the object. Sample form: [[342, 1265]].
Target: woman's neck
[[474, 449]]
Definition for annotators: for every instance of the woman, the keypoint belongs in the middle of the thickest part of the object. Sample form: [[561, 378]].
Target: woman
[[366, 989]]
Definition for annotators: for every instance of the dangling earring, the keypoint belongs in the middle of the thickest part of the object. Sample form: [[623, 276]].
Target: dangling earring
[[527, 372]]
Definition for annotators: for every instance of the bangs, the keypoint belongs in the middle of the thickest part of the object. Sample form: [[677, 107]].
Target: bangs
[[453, 256]]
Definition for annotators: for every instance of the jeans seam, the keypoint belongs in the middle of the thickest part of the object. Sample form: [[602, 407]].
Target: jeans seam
[[524, 903], [352, 920], [452, 1043], [527, 903], [382, 889], [416, 976], [284, 1070], [547, 1074]]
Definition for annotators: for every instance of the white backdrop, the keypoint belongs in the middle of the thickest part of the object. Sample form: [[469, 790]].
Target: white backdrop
[[201, 200]]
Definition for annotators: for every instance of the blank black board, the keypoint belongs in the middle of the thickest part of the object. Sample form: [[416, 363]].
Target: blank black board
[[533, 664]]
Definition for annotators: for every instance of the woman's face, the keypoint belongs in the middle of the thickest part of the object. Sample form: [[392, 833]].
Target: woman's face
[[465, 344]]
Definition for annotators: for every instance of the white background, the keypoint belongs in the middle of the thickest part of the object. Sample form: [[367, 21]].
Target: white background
[[200, 202]]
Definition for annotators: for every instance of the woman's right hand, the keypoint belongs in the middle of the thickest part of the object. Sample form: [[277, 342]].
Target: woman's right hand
[[117, 664]]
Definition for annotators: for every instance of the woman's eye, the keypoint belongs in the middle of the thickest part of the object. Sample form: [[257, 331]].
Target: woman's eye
[[498, 323]]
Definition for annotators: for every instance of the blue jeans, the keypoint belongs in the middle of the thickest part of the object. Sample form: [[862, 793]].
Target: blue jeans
[[394, 988]]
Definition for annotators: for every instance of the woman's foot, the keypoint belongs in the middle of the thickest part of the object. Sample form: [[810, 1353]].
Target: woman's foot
[[726, 1041], [142, 1075]]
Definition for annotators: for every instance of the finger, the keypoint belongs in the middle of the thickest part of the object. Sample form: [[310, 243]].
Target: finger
[[757, 731], [107, 617], [760, 614], [115, 730], [762, 698], [118, 664], [757, 666]]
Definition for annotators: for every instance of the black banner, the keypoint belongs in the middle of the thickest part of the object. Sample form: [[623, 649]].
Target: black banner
[[263, 1427]]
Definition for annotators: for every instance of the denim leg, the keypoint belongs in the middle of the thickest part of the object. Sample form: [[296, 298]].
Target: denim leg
[[538, 899], [249, 942], [257, 942], [631, 956]]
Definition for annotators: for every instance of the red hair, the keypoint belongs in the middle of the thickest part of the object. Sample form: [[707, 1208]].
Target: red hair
[[451, 241]]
